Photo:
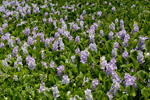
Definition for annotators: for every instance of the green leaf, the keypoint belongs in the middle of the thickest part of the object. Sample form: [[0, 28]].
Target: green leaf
[[102, 76], [131, 90], [141, 75], [145, 92]]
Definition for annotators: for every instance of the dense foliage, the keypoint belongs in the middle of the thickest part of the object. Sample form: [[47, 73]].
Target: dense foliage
[[74, 50]]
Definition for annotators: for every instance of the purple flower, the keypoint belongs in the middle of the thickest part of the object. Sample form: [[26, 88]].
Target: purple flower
[[70, 38], [101, 33], [93, 47], [112, 26], [129, 80], [5, 63], [125, 54], [43, 55], [60, 70], [136, 28], [65, 79], [126, 39], [55, 45], [52, 64], [103, 62], [116, 45], [111, 35], [44, 64], [72, 58], [30, 40], [88, 95], [30, 61], [2, 45], [81, 24], [46, 13], [75, 26], [27, 31], [140, 57], [116, 20], [94, 83], [44, 20], [47, 42], [111, 66], [15, 77], [93, 17], [10, 42], [114, 53], [42, 89], [109, 95], [99, 13], [65, 17], [50, 20], [81, 17], [15, 51], [121, 24], [55, 92], [113, 9], [77, 39], [18, 41], [29, 12], [42, 36], [56, 34], [77, 50], [122, 34], [142, 42], [83, 56]]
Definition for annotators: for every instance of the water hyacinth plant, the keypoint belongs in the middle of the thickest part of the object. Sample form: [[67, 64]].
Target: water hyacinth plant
[[74, 50]]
